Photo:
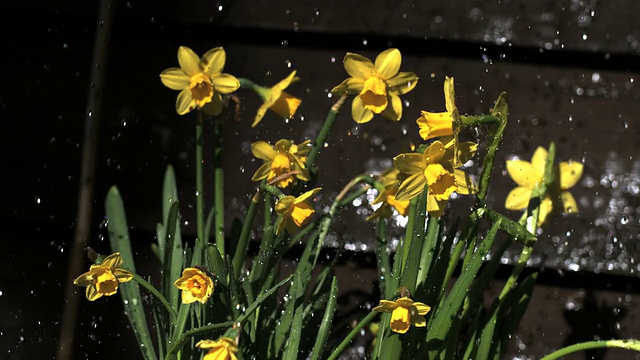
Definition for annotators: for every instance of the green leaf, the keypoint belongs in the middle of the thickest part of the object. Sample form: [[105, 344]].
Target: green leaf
[[173, 261], [130, 291], [452, 306], [327, 320]]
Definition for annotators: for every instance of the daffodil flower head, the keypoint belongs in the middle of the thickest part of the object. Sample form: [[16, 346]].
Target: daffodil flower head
[[200, 80], [104, 277], [434, 125], [387, 198], [222, 349], [277, 100], [529, 174], [294, 212], [283, 162], [404, 313], [195, 284], [377, 85]]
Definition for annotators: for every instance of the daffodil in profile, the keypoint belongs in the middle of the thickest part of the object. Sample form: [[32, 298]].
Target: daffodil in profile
[[282, 163], [195, 284], [222, 349], [434, 167], [277, 100], [387, 198], [200, 80], [294, 212], [377, 85], [529, 174], [441, 124], [103, 278], [404, 313]]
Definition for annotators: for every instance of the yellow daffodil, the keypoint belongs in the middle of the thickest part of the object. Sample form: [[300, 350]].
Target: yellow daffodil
[[277, 100], [200, 80], [435, 167], [376, 84], [387, 197], [222, 349], [104, 278], [282, 162], [529, 174], [294, 212], [404, 313], [434, 125], [195, 284]]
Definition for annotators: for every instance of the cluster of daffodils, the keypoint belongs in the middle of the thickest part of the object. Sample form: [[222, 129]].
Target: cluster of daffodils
[[105, 275], [528, 175]]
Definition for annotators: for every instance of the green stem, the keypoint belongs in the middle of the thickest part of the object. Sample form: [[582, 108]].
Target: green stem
[[484, 119], [500, 111], [171, 354], [218, 137], [199, 182], [324, 131], [155, 293], [630, 344], [243, 241], [354, 332]]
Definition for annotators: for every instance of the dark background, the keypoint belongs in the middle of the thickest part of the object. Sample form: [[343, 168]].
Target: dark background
[[570, 69]]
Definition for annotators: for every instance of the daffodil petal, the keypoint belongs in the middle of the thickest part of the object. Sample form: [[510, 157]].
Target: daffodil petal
[[434, 152], [358, 66], [570, 173], [422, 308], [307, 195], [409, 163], [359, 113], [122, 275], [284, 204], [569, 203], [523, 173], [394, 108], [262, 150], [175, 79], [184, 102], [449, 94], [518, 198], [189, 60], [284, 83], [466, 151], [464, 183], [262, 172], [402, 83], [213, 61], [351, 86], [206, 344], [388, 63], [436, 207], [112, 261], [92, 293], [418, 321], [84, 279], [411, 187], [546, 206], [225, 83], [188, 297], [539, 159]]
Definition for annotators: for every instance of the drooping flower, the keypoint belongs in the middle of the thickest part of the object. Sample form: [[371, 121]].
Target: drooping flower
[[404, 313], [222, 349], [435, 167], [277, 100], [195, 284], [282, 163], [200, 80], [529, 174], [434, 125], [103, 278], [388, 197], [294, 212], [377, 85]]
